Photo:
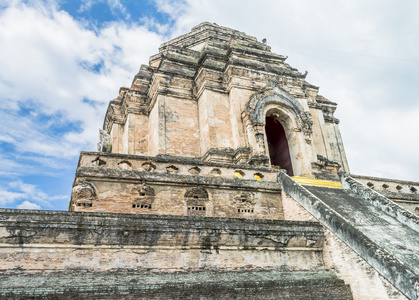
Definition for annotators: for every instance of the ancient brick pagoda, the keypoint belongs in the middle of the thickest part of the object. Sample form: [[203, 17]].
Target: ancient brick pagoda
[[220, 173], [205, 128]]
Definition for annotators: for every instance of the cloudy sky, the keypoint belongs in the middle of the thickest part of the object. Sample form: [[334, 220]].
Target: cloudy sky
[[61, 61]]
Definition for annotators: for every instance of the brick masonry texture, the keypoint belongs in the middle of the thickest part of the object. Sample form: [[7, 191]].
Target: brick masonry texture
[[50, 255], [95, 241], [160, 185]]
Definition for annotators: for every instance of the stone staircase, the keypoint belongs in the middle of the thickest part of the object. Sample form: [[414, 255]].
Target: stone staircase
[[381, 232]]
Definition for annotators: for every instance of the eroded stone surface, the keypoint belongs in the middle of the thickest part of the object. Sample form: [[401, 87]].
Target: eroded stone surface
[[115, 189], [403, 192], [257, 284], [384, 236], [39, 240]]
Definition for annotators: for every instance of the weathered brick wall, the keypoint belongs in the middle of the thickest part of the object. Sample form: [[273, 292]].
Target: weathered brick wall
[[214, 121], [51, 240], [120, 197], [140, 132], [116, 138], [181, 128], [155, 132], [238, 98], [159, 185]]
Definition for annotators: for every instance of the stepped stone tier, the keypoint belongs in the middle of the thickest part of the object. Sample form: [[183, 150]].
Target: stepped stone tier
[[190, 196], [205, 127]]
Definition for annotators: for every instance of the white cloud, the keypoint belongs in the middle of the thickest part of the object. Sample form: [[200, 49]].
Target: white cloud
[[48, 63], [18, 190], [114, 5], [7, 197], [14, 165], [28, 205], [152, 24], [173, 8], [86, 5]]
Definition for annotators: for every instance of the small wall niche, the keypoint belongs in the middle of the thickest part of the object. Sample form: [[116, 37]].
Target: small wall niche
[[245, 203], [148, 166], [258, 176], [196, 200], [172, 169], [216, 172], [194, 170], [83, 195], [239, 174], [196, 208], [244, 210], [98, 162], [125, 165]]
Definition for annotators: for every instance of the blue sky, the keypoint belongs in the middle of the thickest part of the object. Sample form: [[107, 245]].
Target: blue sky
[[61, 62]]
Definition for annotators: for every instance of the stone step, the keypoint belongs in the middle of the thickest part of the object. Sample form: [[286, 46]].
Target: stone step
[[242, 284]]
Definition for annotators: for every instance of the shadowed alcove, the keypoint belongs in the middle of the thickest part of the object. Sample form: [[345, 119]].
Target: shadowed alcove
[[278, 145]]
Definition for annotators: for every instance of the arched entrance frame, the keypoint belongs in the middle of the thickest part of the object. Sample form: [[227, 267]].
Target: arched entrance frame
[[297, 123]]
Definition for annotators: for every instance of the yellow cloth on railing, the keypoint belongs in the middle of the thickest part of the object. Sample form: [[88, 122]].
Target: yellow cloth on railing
[[317, 182]]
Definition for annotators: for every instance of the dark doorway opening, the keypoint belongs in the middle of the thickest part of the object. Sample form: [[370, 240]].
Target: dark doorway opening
[[279, 152]]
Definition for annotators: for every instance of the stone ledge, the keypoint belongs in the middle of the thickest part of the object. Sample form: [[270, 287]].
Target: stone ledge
[[403, 198], [262, 284], [384, 179], [41, 227], [96, 218], [122, 175], [163, 158], [392, 188]]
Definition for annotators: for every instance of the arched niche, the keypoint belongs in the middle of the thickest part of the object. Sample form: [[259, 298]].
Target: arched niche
[[284, 109], [197, 201], [83, 195], [279, 152]]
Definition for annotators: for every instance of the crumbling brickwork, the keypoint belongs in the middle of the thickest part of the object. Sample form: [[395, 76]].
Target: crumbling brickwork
[[164, 185], [36, 240]]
